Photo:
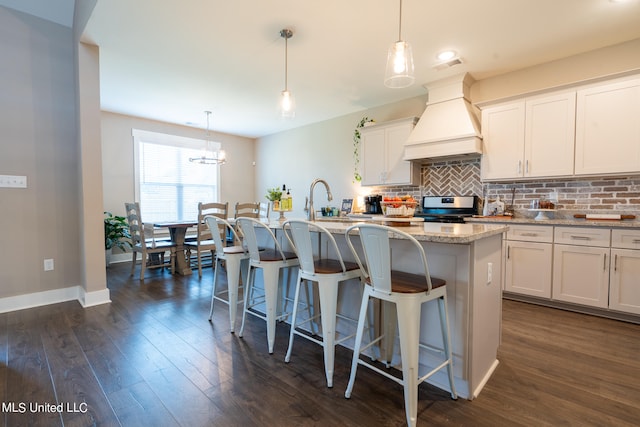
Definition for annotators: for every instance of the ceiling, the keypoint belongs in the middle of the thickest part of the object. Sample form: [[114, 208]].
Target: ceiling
[[171, 61]]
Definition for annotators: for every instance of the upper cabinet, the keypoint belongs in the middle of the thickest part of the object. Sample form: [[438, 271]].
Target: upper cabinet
[[608, 128], [530, 138], [382, 151], [592, 130]]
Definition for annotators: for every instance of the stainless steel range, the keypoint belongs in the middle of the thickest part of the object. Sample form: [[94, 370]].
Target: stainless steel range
[[451, 209]]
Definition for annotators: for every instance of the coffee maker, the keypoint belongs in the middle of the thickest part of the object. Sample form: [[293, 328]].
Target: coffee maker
[[372, 204]]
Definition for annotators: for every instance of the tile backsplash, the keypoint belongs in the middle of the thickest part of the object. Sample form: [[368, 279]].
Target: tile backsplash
[[593, 195]]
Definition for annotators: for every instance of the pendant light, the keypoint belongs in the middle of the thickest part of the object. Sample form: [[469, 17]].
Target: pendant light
[[209, 156], [399, 71], [287, 104]]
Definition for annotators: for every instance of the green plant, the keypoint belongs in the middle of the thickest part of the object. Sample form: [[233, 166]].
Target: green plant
[[356, 147], [116, 231], [273, 194]]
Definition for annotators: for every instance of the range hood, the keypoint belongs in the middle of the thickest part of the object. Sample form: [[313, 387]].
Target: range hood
[[449, 126]]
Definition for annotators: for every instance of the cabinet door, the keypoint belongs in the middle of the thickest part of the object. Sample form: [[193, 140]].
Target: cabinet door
[[373, 151], [624, 288], [581, 275], [608, 129], [503, 141], [550, 135], [528, 268], [398, 171]]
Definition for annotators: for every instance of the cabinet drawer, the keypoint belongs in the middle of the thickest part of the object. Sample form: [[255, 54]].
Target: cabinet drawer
[[531, 233], [582, 236], [625, 239]]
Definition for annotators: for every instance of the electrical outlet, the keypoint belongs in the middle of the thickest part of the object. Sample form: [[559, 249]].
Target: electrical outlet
[[48, 264], [489, 273]]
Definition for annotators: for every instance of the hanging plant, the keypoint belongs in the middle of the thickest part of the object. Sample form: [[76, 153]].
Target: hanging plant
[[356, 147]]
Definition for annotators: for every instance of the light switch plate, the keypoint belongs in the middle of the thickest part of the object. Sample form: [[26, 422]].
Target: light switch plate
[[13, 181]]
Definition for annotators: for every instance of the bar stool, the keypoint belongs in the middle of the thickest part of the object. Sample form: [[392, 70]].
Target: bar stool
[[408, 292], [328, 274], [271, 261], [236, 259]]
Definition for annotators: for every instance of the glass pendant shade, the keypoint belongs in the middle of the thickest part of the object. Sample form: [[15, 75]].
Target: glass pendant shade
[[287, 104], [399, 72]]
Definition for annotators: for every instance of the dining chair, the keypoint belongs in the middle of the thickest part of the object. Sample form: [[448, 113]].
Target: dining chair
[[247, 210], [407, 292], [264, 211], [236, 259], [328, 273], [204, 241], [143, 241], [272, 262]]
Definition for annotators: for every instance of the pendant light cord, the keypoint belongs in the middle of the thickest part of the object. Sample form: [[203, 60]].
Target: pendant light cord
[[400, 23]]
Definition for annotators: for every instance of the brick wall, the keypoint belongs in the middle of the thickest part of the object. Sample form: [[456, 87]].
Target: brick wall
[[462, 178]]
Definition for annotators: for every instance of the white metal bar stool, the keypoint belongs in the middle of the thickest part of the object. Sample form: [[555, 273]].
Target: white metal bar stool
[[271, 261], [408, 292], [328, 273], [237, 262]]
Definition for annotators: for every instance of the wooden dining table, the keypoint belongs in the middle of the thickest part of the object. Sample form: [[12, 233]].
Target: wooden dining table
[[178, 231]]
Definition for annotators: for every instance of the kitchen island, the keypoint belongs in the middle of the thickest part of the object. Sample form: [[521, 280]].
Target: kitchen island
[[468, 257]]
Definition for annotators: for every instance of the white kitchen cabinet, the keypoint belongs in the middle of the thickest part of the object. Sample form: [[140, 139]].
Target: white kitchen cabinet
[[531, 138], [608, 129], [529, 259], [382, 151], [581, 265], [624, 284]]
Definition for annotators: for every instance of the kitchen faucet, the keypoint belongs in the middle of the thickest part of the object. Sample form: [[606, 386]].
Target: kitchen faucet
[[308, 204]]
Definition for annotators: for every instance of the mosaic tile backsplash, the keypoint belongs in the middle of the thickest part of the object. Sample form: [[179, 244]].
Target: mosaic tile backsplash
[[592, 195]]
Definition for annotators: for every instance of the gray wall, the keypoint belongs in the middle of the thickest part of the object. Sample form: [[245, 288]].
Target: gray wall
[[38, 139]]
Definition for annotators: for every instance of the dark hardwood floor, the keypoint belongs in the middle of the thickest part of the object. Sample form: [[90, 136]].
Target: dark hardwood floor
[[151, 358]]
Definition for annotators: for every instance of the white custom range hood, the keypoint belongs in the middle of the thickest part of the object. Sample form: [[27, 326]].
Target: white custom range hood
[[449, 126]]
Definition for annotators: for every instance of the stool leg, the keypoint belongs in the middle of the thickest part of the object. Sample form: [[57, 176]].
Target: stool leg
[[271, 274], [248, 288], [446, 339], [233, 277], [328, 290], [294, 317], [213, 290], [409, 328], [356, 349], [389, 325]]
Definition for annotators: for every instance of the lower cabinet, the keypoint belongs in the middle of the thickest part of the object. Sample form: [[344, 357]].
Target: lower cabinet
[[529, 258], [590, 266], [581, 265], [624, 284]]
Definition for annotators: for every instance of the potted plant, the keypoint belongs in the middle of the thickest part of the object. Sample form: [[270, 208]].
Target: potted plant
[[274, 195], [116, 233], [365, 121]]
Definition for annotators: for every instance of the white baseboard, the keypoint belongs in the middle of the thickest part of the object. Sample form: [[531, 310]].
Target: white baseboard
[[38, 299], [89, 299]]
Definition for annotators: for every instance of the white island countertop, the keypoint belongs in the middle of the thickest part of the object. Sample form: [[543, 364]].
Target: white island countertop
[[423, 231]]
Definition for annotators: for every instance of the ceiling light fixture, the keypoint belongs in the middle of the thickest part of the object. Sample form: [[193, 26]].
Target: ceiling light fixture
[[446, 55], [399, 72], [287, 105], [209, 156]]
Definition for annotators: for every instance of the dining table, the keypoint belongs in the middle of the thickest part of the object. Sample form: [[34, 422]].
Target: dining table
[[178, 232]]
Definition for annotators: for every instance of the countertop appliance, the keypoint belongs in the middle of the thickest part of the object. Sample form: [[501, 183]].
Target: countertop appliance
[[451, 209], [372, 204]]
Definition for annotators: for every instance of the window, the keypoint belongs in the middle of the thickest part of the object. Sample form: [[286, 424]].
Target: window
[[169, 186]]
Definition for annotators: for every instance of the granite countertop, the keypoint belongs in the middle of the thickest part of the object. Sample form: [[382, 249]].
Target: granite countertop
[[560, 221], [423, 231]]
